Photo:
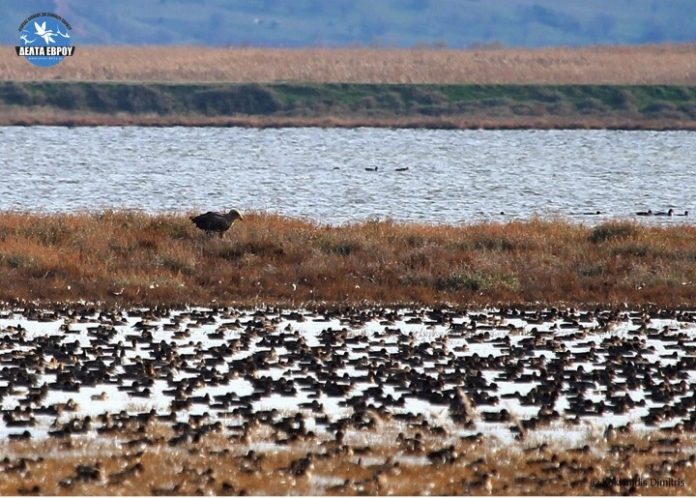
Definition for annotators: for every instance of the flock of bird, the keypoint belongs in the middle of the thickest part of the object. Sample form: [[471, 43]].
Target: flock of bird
[[315, 375], [521, 370], [649, 212], [669, 212]]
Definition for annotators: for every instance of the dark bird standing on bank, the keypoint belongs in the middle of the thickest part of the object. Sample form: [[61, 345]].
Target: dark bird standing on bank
[[216, 222]]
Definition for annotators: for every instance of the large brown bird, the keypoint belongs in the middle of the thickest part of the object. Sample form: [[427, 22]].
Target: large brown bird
[[216, 222]]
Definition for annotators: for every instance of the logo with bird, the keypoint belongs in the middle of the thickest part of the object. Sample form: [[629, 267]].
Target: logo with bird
[[45, 39]]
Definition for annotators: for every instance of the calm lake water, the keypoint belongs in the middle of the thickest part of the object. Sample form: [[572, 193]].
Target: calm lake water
[[452, 176]]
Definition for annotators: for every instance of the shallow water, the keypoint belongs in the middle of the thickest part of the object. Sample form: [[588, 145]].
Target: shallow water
[[453, 176]]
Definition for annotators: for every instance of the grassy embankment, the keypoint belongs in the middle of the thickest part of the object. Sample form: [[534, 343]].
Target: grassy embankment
[[398, 105], [599, 87], [134, 258]]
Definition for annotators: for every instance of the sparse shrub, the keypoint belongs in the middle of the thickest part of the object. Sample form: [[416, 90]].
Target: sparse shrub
[[179, 263], [19, 261], [621, 99], [231, 252], [458, 281], [636, 250], [590, 105], [244, 99], [390, 100], [496, 102], [15, 94], [611, 231], [142, 98], [526, 110], [662, 110], [592, 269], [548, 95], [48, 232], [491, 242], [688, 109], [341, 246], [68, 96], [421, 257], [415, 240], [365, 103], [149, 242], [261, 247], [414, 95]]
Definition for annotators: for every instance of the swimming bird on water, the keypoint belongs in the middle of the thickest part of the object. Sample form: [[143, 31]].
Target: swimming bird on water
[[216, 222], [645, 213], [372, 169], [686, 213], [665, 213]]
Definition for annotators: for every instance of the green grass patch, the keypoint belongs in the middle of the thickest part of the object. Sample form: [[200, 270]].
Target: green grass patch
[[311, 100]]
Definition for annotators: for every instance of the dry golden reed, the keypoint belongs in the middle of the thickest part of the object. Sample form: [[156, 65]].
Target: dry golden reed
[[136, 258], [650, 64]]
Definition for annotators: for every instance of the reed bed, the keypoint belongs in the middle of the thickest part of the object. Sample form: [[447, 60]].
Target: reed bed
[[136, 258], [650, 64]]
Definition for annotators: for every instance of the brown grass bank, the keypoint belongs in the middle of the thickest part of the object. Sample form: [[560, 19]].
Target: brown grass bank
[[136, 258], [650, 64], [480, 120]]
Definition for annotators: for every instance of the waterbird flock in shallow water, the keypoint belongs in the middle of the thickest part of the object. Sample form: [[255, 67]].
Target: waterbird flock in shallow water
[[502, 372], [669, 212]]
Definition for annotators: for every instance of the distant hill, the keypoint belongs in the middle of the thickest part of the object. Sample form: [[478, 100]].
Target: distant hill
[[399, 23]]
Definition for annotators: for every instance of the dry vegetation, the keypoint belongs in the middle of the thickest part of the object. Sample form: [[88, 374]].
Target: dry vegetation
[[673, 65], [364, 464], [136, 258], [660, 64]]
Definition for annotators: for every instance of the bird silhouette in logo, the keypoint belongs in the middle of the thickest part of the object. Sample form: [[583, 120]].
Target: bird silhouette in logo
[[25, 38], [44, 33]]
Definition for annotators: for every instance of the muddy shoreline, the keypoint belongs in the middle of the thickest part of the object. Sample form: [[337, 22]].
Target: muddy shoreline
[[42, 117]]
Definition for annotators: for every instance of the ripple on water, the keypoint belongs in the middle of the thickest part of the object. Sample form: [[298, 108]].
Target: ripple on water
[[453, 175]]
